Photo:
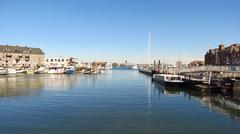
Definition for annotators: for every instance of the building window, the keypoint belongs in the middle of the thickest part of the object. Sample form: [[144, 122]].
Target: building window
[[62, 60], [51, 60], [55, 60], [59, 60], [47, 60]]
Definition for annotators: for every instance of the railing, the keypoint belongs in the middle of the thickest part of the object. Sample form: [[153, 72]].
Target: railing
[[229, 69]]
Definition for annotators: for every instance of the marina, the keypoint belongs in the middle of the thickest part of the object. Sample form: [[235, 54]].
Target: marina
[[110, 102], [119, 67]]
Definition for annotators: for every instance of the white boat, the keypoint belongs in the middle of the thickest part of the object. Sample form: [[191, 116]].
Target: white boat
[[169, 79], [40, 70], [21, 71], [134, 67], [11, 71], [108, 66], [56, 70], [3, 71], [70, 70]]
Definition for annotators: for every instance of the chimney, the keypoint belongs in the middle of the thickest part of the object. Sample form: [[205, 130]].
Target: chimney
[[221, 47]]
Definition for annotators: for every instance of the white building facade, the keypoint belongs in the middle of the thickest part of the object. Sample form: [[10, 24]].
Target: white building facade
[[57, 62]]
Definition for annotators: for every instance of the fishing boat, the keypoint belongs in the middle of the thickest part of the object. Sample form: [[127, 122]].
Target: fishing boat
[[168, 79], [70, 70], [3, 71]]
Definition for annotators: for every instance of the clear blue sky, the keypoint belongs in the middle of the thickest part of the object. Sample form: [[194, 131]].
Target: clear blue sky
[[118, 29]]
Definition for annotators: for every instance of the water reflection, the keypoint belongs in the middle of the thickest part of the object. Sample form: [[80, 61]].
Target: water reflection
[[215, 102], [61, 82], [20, 85]]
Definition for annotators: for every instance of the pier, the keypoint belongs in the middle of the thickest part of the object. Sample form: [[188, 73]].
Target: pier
[[218, 78]]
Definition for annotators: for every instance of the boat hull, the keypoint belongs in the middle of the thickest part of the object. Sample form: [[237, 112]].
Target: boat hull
[[56, 71], [11, 71], [69, 72], [40, 72], [21, 72], [166, 83], [3, 72]]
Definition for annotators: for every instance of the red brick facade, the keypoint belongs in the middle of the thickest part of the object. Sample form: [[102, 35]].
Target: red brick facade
[[223, 55]]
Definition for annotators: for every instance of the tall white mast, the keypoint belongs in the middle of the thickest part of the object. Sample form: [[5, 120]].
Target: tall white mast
[[149, 48]]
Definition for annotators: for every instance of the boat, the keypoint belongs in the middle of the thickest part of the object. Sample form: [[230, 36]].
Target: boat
[[108, 66], [169, 79], [11, 71], [134, 67], [146, 71], [56, 70], [40, 70], [21, 71], [3, 71], [70, 70]]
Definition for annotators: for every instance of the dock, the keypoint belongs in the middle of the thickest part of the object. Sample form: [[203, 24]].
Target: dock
[[217, 78]]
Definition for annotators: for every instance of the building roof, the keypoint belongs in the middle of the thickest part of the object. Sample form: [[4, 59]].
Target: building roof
[[20, 49]]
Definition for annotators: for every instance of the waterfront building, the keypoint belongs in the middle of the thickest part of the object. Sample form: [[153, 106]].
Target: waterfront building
[[57, 62], [223, 55], [19, 56], [61, 62]]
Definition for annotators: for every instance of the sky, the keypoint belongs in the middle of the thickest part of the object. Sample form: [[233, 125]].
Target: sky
[[117, 30]]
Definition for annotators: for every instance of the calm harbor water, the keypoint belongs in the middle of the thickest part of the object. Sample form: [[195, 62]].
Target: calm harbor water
[[116, 102]]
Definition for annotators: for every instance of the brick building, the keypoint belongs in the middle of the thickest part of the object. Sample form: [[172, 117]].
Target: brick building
[[196, 63], [223, 55], [18, 57]]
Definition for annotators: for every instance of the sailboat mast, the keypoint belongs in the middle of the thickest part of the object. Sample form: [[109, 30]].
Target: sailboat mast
[[149, 48]]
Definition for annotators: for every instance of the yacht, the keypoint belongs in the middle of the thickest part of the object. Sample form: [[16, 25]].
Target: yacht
[[108, 66], [134, 67], [56, 70], [3, 71], [70, 70], [168, 79]]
